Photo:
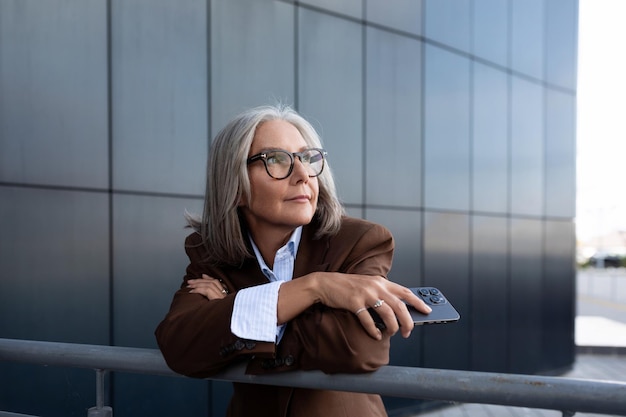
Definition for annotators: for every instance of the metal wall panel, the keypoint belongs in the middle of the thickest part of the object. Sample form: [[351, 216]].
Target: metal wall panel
[[448, 22], [148, 252], [330, 85], [54, 257], [406, 227], [53, 93], [393, 151], [490, 30], [527, 37], [151, 395], [53, 286], [148, 266], [46, 391], [561, 52], [525, 295], [446, 130], [252, 57], [447, 266], [350, 8], [527, 148], [560, 154], [159, 94], [490, 144], [402, 15], [559, 291], [489, 293]]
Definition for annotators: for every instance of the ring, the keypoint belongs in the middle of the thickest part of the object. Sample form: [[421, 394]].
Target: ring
[[360, 310], [224, 292], [378, 303]]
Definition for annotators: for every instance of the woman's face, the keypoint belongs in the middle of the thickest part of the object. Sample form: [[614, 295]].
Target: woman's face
[[279, 205]]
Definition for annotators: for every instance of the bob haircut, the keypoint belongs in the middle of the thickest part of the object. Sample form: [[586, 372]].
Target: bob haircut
[[221, 225]]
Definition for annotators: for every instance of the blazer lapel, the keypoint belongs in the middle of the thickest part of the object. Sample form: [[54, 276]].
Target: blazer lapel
[[311, 255], [248, 275]]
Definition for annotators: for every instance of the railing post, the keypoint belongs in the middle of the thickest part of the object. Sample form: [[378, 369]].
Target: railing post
[[100, 410]]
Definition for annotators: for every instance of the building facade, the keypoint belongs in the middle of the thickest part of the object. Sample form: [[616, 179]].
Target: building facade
[[452, 122]]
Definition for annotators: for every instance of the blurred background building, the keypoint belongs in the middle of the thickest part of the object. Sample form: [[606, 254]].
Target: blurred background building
[[601, 86], [452, 122]]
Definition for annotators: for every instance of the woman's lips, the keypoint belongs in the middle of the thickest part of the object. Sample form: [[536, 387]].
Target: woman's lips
[[300, 198]]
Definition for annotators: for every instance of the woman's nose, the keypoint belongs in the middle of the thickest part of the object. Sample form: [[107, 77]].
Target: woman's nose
[[299, 169]]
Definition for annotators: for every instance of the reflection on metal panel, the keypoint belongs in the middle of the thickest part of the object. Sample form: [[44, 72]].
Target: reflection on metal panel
[[159, 96], [252, 57], [526, 284], [446, 130], [53, 93], [447, 267], [393, 123], [489, 289], [560, 156], [527, 148]]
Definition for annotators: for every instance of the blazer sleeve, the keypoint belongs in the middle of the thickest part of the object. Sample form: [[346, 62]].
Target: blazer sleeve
[[333, 340], [195, 337]]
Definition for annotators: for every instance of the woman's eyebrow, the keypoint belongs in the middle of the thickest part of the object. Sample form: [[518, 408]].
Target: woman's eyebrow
[[269, 149]]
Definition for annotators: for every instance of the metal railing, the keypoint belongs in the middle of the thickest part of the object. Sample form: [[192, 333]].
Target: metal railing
[[567, 395]]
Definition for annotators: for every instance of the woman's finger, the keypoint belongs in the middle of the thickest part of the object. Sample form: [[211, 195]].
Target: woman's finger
[[209, 287], [367, 321], [388, 315]]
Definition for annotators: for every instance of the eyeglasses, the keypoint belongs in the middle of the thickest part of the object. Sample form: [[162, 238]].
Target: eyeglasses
[[279, 163]]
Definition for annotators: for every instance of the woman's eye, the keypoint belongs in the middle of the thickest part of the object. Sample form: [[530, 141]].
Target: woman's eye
[[277, 158]]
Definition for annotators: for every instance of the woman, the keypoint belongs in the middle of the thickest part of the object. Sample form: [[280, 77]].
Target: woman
[[280, 277]]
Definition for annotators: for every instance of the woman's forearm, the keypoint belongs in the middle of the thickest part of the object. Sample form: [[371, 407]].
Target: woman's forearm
[[295, 296]]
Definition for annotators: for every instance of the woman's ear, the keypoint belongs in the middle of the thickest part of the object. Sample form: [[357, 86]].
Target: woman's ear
[[242, 201]]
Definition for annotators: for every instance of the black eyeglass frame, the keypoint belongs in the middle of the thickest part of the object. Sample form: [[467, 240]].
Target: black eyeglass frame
[[292, 155]]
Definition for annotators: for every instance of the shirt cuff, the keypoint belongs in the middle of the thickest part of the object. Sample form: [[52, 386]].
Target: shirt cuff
[[255, 312]]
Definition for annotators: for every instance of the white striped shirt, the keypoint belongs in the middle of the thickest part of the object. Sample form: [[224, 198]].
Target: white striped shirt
[[255, 309]]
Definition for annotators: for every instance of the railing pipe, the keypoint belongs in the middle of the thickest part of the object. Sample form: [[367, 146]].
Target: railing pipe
[[100, 410], [554, 393], [100, 388]]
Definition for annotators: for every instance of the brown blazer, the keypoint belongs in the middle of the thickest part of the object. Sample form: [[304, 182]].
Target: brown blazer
[[196, 340]]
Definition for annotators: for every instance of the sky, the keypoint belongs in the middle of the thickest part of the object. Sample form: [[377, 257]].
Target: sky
[[601, 118]]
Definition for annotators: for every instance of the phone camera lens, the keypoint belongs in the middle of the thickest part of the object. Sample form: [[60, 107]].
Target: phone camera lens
[[434, 291], [424, 291], [436, 299]]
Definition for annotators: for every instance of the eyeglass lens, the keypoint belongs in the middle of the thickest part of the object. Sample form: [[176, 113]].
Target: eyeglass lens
[[280, 163]]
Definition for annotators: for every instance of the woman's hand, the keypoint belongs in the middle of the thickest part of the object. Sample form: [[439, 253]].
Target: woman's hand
[[209, 287], [357, 293]]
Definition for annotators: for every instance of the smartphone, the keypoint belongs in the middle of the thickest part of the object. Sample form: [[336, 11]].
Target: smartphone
[[443, 311]]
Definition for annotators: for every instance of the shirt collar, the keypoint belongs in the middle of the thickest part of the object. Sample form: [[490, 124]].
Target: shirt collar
[[291, 246]]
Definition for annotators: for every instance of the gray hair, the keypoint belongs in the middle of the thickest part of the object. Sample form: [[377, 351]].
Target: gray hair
[[227, 182]]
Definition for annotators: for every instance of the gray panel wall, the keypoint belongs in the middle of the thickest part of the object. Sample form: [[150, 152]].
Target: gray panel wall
[[452, 123]]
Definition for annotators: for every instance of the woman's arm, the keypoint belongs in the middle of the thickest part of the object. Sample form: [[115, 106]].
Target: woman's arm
[[195, 337], [351, 292], [328, 335]]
